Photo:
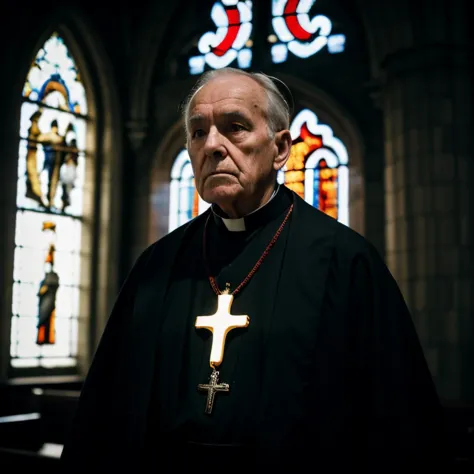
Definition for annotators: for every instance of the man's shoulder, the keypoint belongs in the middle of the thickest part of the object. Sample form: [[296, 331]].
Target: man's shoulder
[[171, 241], [172, 237], [345, 240]]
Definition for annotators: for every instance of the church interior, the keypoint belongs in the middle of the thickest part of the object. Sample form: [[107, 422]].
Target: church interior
[[92, 139]]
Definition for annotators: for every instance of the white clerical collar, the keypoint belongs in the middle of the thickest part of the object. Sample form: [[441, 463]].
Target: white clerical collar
[[238, 225], [234, 225]]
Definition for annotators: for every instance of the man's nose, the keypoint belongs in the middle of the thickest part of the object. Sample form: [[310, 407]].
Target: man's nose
[[214, 146]]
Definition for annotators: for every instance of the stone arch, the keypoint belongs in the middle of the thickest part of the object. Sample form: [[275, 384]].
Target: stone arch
[[148, 45], [109, 156]]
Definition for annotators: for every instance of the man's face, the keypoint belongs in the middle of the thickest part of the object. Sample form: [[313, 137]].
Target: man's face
[[232, 154]]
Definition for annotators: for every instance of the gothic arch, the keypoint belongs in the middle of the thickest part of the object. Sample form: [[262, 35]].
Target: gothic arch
[[102, 203], [109, 156], [148, 46]]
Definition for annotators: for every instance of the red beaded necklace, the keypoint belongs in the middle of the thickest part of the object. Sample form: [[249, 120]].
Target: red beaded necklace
[[212, 280]]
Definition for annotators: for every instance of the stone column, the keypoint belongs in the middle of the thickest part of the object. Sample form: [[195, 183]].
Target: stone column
[[138, 180], [429, 172]]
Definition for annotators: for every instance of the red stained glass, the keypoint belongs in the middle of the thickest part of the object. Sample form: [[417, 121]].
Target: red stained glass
[[233, 17], [293, 23], [312, 141]]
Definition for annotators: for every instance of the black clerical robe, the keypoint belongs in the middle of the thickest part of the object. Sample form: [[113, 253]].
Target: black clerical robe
[[329, 373], [178, 408]]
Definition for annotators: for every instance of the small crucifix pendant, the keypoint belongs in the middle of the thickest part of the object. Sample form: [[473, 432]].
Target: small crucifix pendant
[[212, 388]]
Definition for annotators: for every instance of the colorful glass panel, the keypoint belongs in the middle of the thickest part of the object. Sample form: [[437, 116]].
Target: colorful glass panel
[[50, 195], [230, 43], [185, 203], [317, 169], [298, 33], [54, 79]]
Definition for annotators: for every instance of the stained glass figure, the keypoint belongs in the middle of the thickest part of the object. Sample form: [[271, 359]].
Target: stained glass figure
[[47, 293], [53, 148]]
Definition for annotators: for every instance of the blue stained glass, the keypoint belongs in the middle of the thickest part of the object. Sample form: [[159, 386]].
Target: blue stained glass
[[316, 188]]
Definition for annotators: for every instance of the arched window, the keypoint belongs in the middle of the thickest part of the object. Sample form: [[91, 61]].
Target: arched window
[[317, 168], [296, 32], [49, 217], [185, 202], [231, 43]]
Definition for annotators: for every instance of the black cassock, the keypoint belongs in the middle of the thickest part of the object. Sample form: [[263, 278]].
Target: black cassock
[[329, 373]]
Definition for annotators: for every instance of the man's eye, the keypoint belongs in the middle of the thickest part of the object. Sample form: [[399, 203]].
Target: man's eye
[[237, 127], [198, 133]]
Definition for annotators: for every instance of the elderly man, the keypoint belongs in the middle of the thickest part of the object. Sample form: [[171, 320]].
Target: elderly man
[[261, 335]]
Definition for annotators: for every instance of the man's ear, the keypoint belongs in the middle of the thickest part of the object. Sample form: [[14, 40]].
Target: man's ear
[[283, 144]]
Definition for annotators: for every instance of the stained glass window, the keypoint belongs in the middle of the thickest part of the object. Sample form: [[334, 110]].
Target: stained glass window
[[185, 203], [298, 33], [317, 167], [50, 192], [231, 41]]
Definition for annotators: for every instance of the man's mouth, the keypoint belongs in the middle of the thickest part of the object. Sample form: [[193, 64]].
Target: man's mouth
[[215, 173]]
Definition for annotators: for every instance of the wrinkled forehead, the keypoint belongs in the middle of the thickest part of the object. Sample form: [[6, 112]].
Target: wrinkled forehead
[[227, 92]]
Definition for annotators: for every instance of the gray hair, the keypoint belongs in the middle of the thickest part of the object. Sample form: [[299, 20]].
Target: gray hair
[[278, 109]]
